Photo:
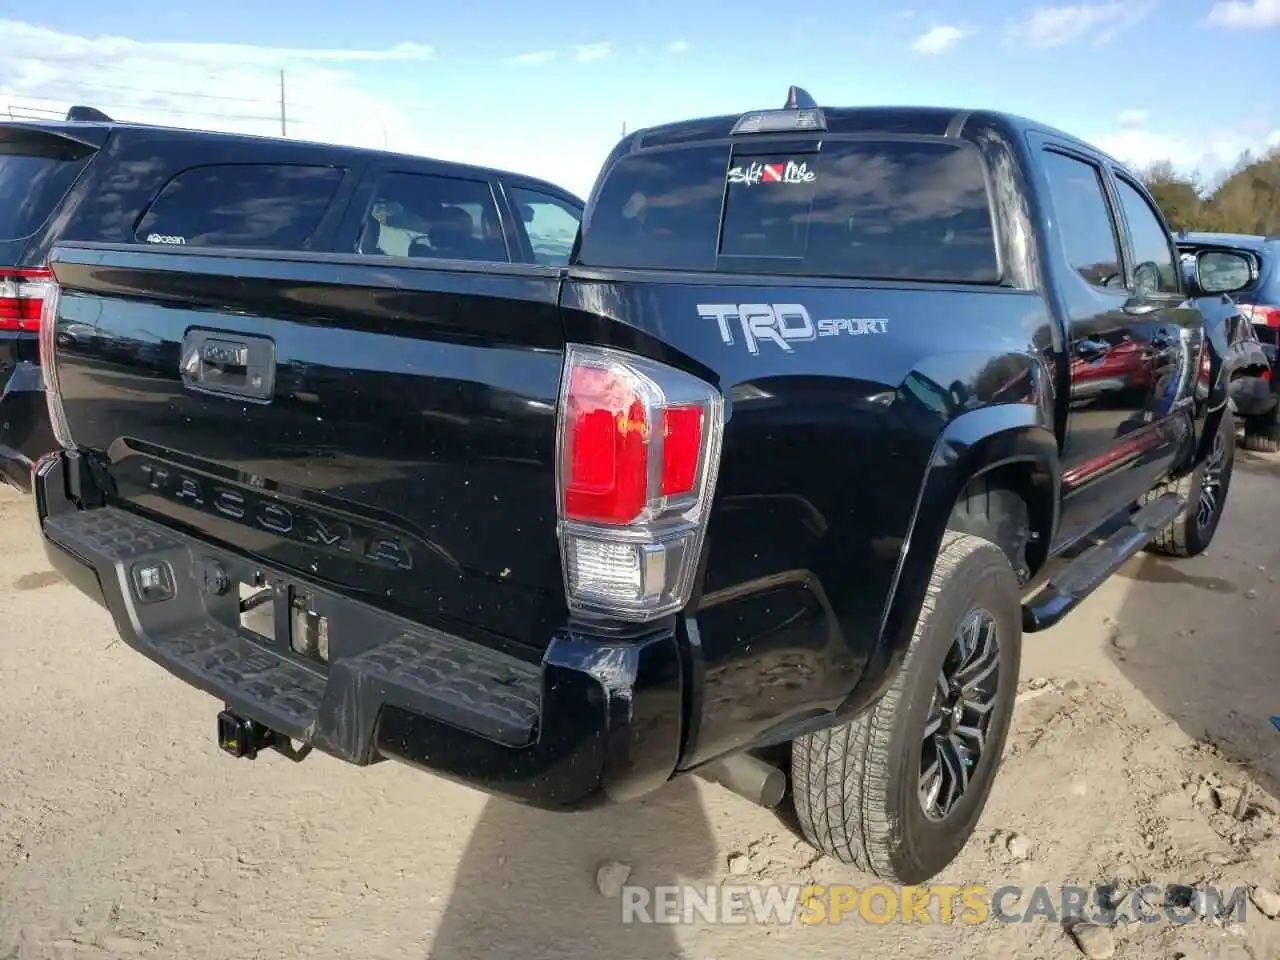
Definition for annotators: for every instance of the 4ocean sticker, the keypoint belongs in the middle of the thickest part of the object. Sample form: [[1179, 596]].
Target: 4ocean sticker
[[755, 172]]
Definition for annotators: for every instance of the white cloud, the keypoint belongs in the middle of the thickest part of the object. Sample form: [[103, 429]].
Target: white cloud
[[20, 36], [940, 39], [588, 52], [207, 86], [678, 46], [1058, 26], [331, 96], [534, 58], [1210, 156], [1132, 119], [1245, 14]]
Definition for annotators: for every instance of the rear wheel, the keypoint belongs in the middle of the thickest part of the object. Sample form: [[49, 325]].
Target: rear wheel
[[1205, 490], [898, 790], [1262, 433]]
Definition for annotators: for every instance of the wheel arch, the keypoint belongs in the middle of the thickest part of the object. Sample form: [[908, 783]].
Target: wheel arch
[[1006, 448]]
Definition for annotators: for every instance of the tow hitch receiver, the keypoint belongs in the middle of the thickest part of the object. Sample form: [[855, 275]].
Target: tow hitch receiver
[[242, 737]]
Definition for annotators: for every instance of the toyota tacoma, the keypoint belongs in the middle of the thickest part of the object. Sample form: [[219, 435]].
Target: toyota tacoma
[[827, 409]]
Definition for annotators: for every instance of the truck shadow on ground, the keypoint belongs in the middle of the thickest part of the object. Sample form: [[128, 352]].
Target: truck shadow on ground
[[526, 884], [1199, 638]]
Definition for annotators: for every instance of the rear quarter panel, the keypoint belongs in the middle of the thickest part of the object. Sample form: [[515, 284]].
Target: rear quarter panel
[[839, 449]]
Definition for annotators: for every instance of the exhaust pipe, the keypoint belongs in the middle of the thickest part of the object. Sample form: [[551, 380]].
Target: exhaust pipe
[[749, 777]]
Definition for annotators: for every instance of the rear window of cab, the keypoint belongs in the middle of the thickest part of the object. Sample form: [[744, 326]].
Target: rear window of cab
[[900, 209], [270, 206]]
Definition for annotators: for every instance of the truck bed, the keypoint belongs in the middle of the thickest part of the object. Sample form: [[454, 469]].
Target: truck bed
[[394, 465]]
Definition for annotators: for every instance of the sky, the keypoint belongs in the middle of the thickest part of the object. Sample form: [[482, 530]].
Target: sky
[[547, 88]]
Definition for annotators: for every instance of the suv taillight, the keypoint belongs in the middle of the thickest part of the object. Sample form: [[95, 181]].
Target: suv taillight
[[49, 367], [22, 294], [638, 453], [1263, 316]]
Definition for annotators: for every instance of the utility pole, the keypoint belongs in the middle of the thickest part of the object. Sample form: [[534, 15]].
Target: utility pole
[[624, 128], [283, 131]]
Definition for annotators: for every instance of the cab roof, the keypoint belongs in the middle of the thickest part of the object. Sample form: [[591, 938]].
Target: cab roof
[[887, 120]]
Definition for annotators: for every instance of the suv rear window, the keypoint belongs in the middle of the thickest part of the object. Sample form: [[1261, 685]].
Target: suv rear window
[[428, 216], [897, 209], [36, 171], [252, 205]]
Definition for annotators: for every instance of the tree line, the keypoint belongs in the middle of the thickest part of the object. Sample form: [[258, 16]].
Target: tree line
[[1245, 200]]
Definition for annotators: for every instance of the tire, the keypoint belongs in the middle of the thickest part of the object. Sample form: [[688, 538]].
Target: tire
[[1193, 529], [1262, 433], [857, 787]]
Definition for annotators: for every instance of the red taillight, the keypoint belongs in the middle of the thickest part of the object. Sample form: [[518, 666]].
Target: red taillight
[[639, 446], [681, 446], [1263, 315], [22, 294], [607, 447]]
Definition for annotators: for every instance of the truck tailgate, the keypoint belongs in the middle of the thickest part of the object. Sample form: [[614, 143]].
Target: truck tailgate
[[384, 430]]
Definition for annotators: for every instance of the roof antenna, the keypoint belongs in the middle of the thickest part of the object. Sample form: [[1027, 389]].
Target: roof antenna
[[798, 99], [87, 115]]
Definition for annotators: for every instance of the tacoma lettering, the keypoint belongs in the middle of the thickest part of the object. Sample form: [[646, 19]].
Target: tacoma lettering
[[289, 521]]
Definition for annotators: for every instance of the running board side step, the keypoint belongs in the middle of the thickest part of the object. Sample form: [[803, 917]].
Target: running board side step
[[1091, 568]]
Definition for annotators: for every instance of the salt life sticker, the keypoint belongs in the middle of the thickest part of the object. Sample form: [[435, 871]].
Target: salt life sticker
[[789, 172]]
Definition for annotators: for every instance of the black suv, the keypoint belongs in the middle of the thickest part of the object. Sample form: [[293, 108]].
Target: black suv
[[104, 181]]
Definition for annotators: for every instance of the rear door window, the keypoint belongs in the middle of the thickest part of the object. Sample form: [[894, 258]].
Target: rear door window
[[426, 216], [550, 224], [1154, 268], [250, 205], [901, 209], [1084, 219], [36, 171]]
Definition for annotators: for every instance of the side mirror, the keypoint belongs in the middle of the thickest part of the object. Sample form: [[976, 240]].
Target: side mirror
[[1224, 271], [1146, 278]]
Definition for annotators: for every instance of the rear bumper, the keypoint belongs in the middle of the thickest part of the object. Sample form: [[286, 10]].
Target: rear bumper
[[596, 721], [25, 434]]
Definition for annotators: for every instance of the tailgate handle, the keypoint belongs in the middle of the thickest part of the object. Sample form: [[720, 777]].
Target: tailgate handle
[[224, 355], [229, 364]]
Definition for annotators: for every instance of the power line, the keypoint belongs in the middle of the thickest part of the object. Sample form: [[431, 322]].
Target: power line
[[221, 67], [284, 118], [138, 108], [406, 105], [94, 85], [33, 113]]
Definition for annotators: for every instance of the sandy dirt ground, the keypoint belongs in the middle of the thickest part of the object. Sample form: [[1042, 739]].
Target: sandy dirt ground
[[1142, 754]]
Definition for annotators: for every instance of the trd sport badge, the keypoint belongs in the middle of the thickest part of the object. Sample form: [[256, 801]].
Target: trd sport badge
[[783, 324]]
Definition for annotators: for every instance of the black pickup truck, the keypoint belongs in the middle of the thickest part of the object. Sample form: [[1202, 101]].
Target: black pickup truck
[[829, 407]]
